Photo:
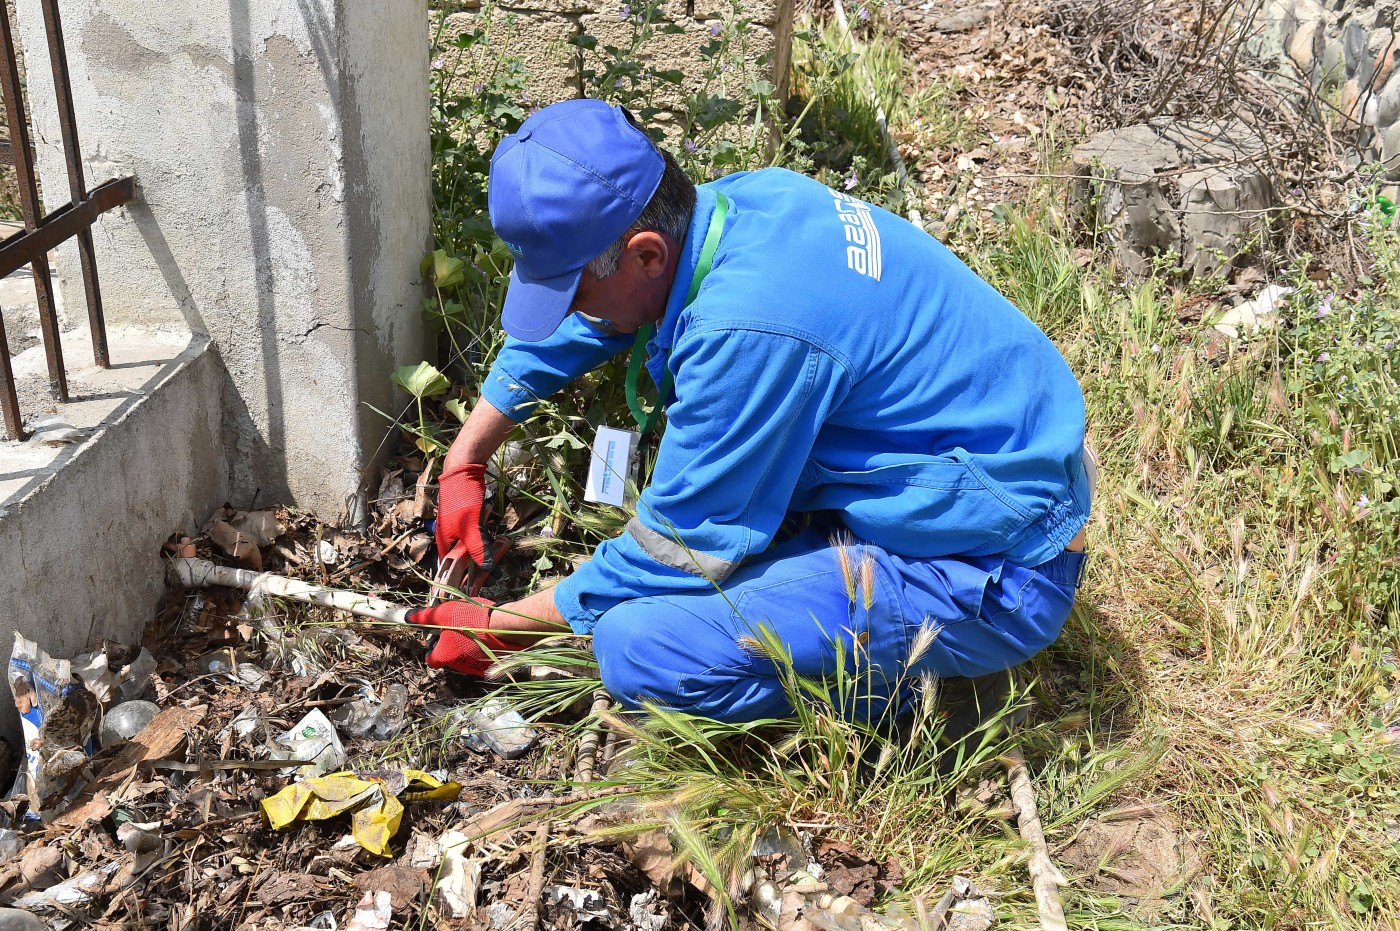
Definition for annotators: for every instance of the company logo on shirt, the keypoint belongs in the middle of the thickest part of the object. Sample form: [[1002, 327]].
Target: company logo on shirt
[[862, 238]]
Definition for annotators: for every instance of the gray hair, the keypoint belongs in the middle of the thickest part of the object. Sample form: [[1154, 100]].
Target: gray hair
[[667, 212]]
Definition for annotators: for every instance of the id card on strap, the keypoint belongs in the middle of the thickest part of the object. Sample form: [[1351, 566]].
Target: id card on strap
[[613, 467]]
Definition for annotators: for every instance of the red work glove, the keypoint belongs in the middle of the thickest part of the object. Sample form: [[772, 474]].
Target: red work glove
[[462, 514], [462, 652]]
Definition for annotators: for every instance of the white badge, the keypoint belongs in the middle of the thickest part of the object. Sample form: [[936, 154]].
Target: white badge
[[613, 467]]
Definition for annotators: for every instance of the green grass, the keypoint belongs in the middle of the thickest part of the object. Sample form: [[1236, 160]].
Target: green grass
[[1226, 666], [1243, 592]]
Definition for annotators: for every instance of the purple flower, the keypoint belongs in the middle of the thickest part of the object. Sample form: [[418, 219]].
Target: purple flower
[[478, 88], [1326, 307], [617, 83], [1156, 347], [641, 18], [437, 64], [1363, 501], [690, 145], [1323, 356], [626, 11], [864, 14], [852, 181], [716, 28]]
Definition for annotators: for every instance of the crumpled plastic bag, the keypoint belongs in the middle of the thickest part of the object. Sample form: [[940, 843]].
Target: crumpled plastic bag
[[372, 799], [57, 716]]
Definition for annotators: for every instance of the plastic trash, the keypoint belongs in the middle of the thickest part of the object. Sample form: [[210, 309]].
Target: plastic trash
[[373, 800], [392, 712], [372, 914], [14, 919], [494, 725], [125, 721], [312, 741], [78, 891], [11, 843], [456, 889], [246, 722], [585, 904], [371, 716], [56, 717], [145, 840]]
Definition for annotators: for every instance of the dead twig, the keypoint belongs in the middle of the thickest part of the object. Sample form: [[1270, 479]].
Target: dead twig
[[1046, 878], [588, 743], [530, 914]]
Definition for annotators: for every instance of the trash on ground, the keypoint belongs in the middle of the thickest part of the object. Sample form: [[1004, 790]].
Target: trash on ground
[[372, 801], [457, 882], [14, 919], [1255, 314], [498, 727], [312, 741], [54, 431], [125, 721], [372, 914], [56, 716]]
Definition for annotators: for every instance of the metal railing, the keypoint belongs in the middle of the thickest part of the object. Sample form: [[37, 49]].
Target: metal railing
[[43, 232]]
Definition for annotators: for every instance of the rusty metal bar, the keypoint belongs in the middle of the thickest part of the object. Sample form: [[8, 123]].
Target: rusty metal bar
[[77, 186], [9, 400], [29, 205], [64, 223]]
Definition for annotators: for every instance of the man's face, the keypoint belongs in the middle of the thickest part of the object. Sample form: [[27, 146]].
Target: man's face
[[636, 293]]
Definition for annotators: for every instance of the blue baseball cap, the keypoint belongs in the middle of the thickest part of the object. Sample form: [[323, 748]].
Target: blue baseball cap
[[563, 188]]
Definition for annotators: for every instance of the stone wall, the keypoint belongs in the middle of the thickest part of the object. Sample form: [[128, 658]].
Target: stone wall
[[281, 153], [544, 35], [1348, 49]]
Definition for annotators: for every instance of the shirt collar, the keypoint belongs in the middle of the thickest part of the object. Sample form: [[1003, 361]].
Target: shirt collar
[[685, 271]]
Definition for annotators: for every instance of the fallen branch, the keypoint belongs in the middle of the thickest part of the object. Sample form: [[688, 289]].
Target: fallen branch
[[588, 744], [530, 915], [1046, 879]]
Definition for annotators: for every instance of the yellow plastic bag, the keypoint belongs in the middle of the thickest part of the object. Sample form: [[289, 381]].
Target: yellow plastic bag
[[372, 800]]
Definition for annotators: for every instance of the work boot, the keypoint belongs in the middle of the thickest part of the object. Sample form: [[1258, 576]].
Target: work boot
[[972, 702]]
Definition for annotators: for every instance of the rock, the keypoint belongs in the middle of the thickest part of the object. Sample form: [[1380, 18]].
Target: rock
[[1388, 99], [1353, 46], [14, 919], [1304, 47], [963, 20], [1210, 213], [1390, 151], [1333, 69]]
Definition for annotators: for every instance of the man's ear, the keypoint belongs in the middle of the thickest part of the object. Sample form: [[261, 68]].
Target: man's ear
[[650, 251]]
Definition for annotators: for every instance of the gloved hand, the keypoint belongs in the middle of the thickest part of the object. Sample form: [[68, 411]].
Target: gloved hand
[[453, 649], [462, 514]]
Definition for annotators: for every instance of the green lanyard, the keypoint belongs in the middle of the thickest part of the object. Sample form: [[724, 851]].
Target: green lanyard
[[647, 420]]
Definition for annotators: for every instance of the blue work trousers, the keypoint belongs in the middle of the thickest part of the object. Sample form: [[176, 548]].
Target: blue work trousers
[[825, 601]]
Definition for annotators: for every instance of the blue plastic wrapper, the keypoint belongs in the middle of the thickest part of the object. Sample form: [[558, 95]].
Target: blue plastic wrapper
[[56, 716]]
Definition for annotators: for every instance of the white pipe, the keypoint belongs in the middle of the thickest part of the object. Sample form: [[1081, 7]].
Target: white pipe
[[200, 573]]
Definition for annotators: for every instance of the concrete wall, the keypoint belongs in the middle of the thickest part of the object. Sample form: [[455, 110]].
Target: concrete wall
[[81, 524], [1348, 49], [282, 155], [539, 33]]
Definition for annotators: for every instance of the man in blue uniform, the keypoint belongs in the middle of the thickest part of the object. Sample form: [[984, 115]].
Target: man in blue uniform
[[817, 356]]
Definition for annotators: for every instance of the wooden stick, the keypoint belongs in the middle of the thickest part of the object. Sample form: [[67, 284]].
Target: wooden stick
[[530, 915], [200, 573], [1046, 879], [588, 744]]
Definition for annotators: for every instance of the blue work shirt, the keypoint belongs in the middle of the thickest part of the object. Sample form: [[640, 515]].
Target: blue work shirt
[[835, 358]]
